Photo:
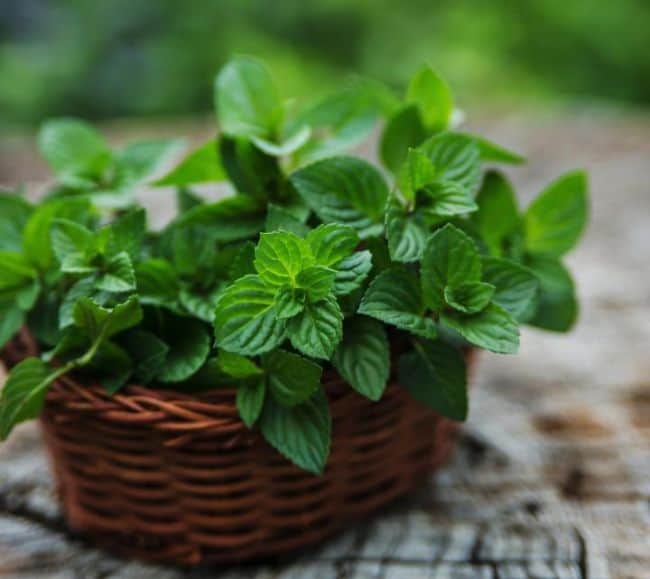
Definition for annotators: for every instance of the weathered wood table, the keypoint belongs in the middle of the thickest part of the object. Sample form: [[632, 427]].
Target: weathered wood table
[[552, 475]]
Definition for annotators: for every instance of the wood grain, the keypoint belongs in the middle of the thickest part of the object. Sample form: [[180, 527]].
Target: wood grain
[[552, 477]]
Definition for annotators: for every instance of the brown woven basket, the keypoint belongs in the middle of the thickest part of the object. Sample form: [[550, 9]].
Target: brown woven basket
[[170, 477]]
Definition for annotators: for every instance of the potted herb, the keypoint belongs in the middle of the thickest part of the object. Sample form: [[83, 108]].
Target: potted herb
[[271, 365]]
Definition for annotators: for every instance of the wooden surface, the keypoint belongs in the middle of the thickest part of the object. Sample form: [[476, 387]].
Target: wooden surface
[[552, 476]]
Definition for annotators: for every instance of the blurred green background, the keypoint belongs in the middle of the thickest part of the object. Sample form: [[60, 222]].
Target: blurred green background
[[113, 58]]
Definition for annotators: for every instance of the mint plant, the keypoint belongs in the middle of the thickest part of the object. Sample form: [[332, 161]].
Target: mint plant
[[318, 261]]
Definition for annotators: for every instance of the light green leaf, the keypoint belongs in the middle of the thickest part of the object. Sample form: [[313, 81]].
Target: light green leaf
[[250, 401], [230, 219], [73, 148], [344, 190], [24, 393], [516, 286], [289, 302], [301, 433], [331, 243], [406, 232], [395, 297], [492, 152], [470, 297], [14, 213], [246, 99], [138, 162], [435, 374], [71, 239], [15, 273], [288, 145], [237, 366], [403, 131], [246, 320], [450, 258], [202, 165], [100, 322], [497, 216], [118, 275], [555, 220], [456, 158], [416, 172], [558, 306], [493, 329], [317, 281], [292, 379], [446, 199], [83, 287], [280, 256], [431, 94], [363, 356], [189, 346], [317, 330], [352, 272]]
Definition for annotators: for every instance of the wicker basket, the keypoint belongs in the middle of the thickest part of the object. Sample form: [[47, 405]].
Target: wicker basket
[[177, 478]]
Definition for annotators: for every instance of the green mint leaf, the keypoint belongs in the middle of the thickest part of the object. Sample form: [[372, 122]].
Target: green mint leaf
[[416, 172], [435, 374], [352, 272], [202, 165], [99, 322], [73, 148], [450, 258], [279, 218], [70, 238], [557, 310], [200, 305], [290, 144], [14, 213], [127, 233], [492, 152], [84, 287], [317, 330], [148, 352], [112, 366], [406, 232], [292, 379], [15, 273], [470, 297], [456, 158], [280, 256], [403, 131], [237, 366], [317, 281], [344, 190], [446, 199], [516, 286], [24, 393], [189, 346], [244, 262], [492, 329], [246, 99], [363, 356], [301, 433], [138, 162], [556, 219], [117, 275], [246, 320], [12, 319], [395, 297], [157, 283], [430, 93], [497, 216], [250, 401], [36, 235], [332, 243], [186, 200], [289, 302], [231, 219]]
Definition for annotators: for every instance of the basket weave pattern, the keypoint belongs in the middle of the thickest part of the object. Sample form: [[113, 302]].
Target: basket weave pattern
[[178, 478]]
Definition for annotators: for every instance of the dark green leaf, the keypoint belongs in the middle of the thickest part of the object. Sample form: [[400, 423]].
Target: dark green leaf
[[363, 356], [416, 172], [11, 320], [237, 366], [446, 199], [403, 131], [280, 219], [127, 233], [250, 401], [14, 213], [148, 352], [292, 379], [331, 243], [117, 275], [456, 158], [289, 302], [516, 286], [435, 374], [300, 433], [317, 330], [244, 262], [157, 283], [15, 273], [470, 297], [189, 346], [406, 232], [100, 322], [317, 281], [395, 297]]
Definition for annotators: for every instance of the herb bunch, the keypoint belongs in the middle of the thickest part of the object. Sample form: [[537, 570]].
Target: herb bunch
[[317, 261]]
